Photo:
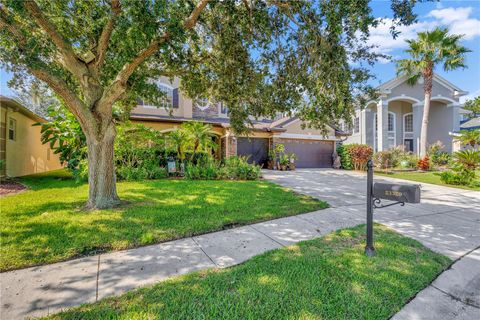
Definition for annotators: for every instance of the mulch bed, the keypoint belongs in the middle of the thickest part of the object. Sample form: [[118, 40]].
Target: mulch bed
[[10, 187]]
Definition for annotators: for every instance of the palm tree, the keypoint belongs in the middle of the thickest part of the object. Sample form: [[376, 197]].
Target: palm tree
[[200, 135], [428, 50], [471, 137], [179, 140], [469, 159]]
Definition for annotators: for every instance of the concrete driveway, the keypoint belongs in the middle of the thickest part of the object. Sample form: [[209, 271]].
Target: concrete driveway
[[447, 221]]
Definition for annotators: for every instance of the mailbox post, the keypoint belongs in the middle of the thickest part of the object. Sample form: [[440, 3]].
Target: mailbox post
[[369, 249], [399, 193]]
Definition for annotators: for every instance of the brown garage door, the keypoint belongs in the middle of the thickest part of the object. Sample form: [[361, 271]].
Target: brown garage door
[[310, 153], [255, 149]]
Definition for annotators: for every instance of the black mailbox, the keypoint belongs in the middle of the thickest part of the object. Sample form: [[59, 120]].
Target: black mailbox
[[409, 193]]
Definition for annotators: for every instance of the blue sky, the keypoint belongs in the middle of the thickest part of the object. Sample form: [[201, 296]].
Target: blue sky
[[460, 16]]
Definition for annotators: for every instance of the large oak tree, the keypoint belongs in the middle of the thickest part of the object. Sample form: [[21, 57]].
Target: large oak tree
[[257, 57]]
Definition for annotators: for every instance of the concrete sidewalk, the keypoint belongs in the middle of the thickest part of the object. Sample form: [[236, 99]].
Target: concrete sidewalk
[[447, 221], [39, 291], [455, 294]]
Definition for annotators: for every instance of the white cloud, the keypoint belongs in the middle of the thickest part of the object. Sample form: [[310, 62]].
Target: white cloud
[[470, 96], [449, 15], [458, 21]]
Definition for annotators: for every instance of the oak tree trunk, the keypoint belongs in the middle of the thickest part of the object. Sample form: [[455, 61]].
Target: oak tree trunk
[[427, 87], [101, 169]]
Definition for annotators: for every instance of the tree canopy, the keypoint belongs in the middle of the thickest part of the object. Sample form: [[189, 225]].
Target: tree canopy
[[257, 57], [473, 105]]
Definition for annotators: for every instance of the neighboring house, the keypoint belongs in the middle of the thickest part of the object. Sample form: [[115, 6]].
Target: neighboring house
[[471, 124], [314, 149], [395, 118], [21, 149]]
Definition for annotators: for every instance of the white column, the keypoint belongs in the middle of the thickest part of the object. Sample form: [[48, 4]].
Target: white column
[[417, 112], [382, 125], [363, 125], [456, 116]]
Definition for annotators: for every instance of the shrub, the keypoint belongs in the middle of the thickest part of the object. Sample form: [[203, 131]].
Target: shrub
[[360, 154], [469, 159], [441, 158], [345, 159], [465, 163], [206, 168], [436, 155], [139, 153], [237, 168], [233, 168], [408, 160], [461, 177], [424, 164], [383, 159]]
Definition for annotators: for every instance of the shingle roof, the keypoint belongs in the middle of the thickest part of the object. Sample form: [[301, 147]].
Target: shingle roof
[[471, 124]]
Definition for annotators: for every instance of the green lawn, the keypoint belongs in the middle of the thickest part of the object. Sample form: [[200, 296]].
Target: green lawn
[[325, 278], [47, 223], [432, 177]]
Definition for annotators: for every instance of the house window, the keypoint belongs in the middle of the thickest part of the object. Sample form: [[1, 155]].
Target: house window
[[391, 122], [223, 108], [356, 126], [202, 104], [408, 123], [166, 101], [391, 130], [12, 129]]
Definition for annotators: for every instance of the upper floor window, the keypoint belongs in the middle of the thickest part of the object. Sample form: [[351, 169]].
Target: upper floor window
[[356, 125], [202, 103], [408, 123], [12, 129], [223, 108], [169, 99]]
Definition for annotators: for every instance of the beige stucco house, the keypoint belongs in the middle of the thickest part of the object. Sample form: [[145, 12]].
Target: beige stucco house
[[395, 117], [314, 149], [21, 149]]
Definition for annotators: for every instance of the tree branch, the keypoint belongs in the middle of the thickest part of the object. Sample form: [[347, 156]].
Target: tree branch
[[118, 87], [11, 27], [106, 34], [192, 19], [72, 102], [71, 61]]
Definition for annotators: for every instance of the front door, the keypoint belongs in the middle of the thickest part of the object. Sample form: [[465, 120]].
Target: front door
[[408, 143]]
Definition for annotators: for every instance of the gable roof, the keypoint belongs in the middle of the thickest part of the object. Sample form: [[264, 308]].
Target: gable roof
[[6, 102], [395, 82], [471, 124]]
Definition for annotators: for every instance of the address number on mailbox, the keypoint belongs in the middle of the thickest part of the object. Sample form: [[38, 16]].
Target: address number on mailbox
[[407, 193]]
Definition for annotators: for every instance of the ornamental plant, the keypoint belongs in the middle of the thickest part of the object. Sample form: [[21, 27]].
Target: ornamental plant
[[360, 154], [424, 163]]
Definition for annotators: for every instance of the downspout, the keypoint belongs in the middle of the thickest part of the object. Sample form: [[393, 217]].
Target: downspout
[[6, 139]]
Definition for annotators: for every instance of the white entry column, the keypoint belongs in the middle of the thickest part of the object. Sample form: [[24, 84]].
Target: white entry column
[[382, 125], [417, 111]]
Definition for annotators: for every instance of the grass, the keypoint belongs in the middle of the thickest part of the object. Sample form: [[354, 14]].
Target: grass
[[48, 224], [325, 278], [432, 177]]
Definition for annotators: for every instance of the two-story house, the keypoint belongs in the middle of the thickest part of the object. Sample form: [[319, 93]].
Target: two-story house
[[395, 118], [313, 149]]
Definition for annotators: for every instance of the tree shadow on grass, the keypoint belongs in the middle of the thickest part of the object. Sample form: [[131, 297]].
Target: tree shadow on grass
[[328, 278], [157, 212]]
